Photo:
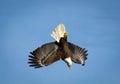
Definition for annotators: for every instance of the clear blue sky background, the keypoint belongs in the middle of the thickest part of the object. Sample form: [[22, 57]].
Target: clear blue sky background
[[27, 24]]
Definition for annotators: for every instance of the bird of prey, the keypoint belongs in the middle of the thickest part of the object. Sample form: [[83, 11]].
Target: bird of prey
[[61, 49]]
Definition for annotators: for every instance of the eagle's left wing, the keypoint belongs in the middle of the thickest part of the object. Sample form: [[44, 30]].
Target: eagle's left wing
[[79, 55], [44, 55]]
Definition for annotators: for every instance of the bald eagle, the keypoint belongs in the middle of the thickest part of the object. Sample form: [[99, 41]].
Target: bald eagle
[[61, 49]]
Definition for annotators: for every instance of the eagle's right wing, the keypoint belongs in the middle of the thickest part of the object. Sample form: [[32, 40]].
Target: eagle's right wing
[[79, 55], [44, 55]]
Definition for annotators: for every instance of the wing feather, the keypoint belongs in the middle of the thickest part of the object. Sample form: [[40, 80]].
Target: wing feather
[[79, 54], [44, 55]]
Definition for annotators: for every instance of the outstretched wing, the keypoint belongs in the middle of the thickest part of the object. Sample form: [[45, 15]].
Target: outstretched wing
[[44, 55], [79, 55]]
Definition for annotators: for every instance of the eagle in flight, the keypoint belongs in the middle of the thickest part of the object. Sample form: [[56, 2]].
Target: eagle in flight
[[61, 49]]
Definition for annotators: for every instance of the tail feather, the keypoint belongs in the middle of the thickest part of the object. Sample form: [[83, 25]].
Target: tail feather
[[58, 32]]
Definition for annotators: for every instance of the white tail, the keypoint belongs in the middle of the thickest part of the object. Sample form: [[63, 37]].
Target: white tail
[[58, 32]]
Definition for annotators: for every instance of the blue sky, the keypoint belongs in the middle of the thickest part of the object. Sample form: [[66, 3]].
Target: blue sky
[[92, 24]]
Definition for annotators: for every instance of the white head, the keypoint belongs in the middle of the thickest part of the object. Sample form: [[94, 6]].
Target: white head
[[69, 62]]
